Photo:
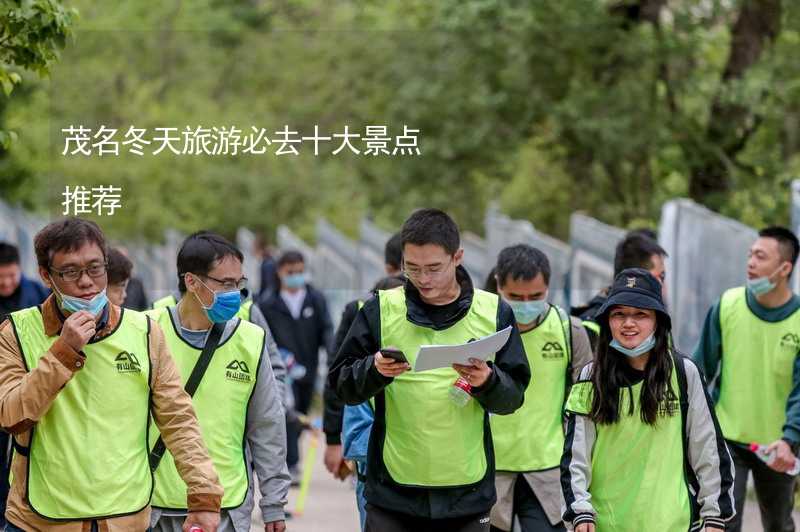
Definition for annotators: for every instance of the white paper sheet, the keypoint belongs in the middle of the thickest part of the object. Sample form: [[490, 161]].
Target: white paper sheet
[[444, 356]]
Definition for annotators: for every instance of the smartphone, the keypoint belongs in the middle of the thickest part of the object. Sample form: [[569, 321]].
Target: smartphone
[[394, 354]]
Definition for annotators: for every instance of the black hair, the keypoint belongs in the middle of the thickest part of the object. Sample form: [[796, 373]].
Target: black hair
[[290, 257], [200, 252], [393, 252], [657, 397], [636, 250], [787, 242], [9, 254], [521, 262], [69, 234], [490, 284], [387, 283], [644, 231], [119, 267], [431, 226]]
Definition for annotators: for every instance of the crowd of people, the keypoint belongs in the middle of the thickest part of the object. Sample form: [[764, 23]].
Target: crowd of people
[[120, 415]]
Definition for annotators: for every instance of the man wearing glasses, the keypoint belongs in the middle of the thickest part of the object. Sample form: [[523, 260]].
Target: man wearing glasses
[[430, 463], [237, 398], [79, 380]]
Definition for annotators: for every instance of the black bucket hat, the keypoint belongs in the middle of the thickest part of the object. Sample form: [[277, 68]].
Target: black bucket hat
[[635, 287]]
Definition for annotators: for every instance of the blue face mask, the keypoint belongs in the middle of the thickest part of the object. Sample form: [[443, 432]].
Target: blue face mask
[[639, 350], [526, 312], [224, 306], [760, 286], [71, 304], [295, 280]]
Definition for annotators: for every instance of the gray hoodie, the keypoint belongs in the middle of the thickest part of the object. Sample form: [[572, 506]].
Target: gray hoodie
[[265, 449]]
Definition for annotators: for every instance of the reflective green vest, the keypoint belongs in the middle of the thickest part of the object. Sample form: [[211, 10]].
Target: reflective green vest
[[244, 310], [757, 365], [637, 480], [592, 326], [164, 302], [88, 457], [532, 438], [429, 440], [220, 402]]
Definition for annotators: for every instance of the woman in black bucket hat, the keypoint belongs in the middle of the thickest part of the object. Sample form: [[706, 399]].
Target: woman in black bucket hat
[[643, 448]]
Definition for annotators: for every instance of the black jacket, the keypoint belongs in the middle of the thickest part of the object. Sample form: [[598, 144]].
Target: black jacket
[[303, 337], [589, 311], [333, 406], [355, 379]]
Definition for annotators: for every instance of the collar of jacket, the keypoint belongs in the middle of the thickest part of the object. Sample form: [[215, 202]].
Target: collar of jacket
[[417, 309]]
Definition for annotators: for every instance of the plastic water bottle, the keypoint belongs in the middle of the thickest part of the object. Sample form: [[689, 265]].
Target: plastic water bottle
[[768, 457], [460, 392]]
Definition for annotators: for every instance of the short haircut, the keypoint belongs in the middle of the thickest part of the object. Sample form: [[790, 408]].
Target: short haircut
[[69, 234], [387, 283], [9, 254], [521, 263], [290, 257], [393, 252], [431, 226], [636, 251], [490, 284], [787, 242], [119, 267], [200, 252]]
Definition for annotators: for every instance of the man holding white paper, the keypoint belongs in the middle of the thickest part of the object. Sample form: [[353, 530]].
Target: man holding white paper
[[430, 460]]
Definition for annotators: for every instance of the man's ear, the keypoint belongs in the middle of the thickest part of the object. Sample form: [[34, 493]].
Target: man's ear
[[458, 256], [45, 276]]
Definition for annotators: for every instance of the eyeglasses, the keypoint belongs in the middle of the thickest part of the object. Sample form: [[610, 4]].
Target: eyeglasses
[[71, 274], [241, 284], [414, 272]]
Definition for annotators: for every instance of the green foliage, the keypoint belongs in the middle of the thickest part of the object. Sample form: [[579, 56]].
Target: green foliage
[[547, 106]]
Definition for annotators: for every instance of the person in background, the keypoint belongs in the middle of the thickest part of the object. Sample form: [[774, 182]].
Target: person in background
[[297, 315], [748, 349], [16, 293], [268, 270], [637, 250], [119, 274], [16, 290], [333, 406], [529, 442]]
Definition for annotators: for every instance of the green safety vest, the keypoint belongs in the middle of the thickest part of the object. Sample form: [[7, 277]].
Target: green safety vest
[[88, 457], [637, 480], [592, 326], [756, 376], [244, 309], [429, 441], [532, 438], [220, 402], [164, 302]]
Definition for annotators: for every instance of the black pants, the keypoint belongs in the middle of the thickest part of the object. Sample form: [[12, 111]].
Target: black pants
[[303, 393], [529, 511], [381, 520], [774, 491]]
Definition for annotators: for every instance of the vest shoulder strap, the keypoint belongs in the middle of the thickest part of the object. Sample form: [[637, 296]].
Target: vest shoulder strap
[[191, 384], [566, 326]]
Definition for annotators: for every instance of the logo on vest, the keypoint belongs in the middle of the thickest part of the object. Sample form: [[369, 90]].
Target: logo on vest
[[237, 371], [552, 351], [669, 405], [127, 363], [791, 340]]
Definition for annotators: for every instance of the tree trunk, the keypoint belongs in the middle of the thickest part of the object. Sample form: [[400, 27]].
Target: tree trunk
[[731, 124]]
